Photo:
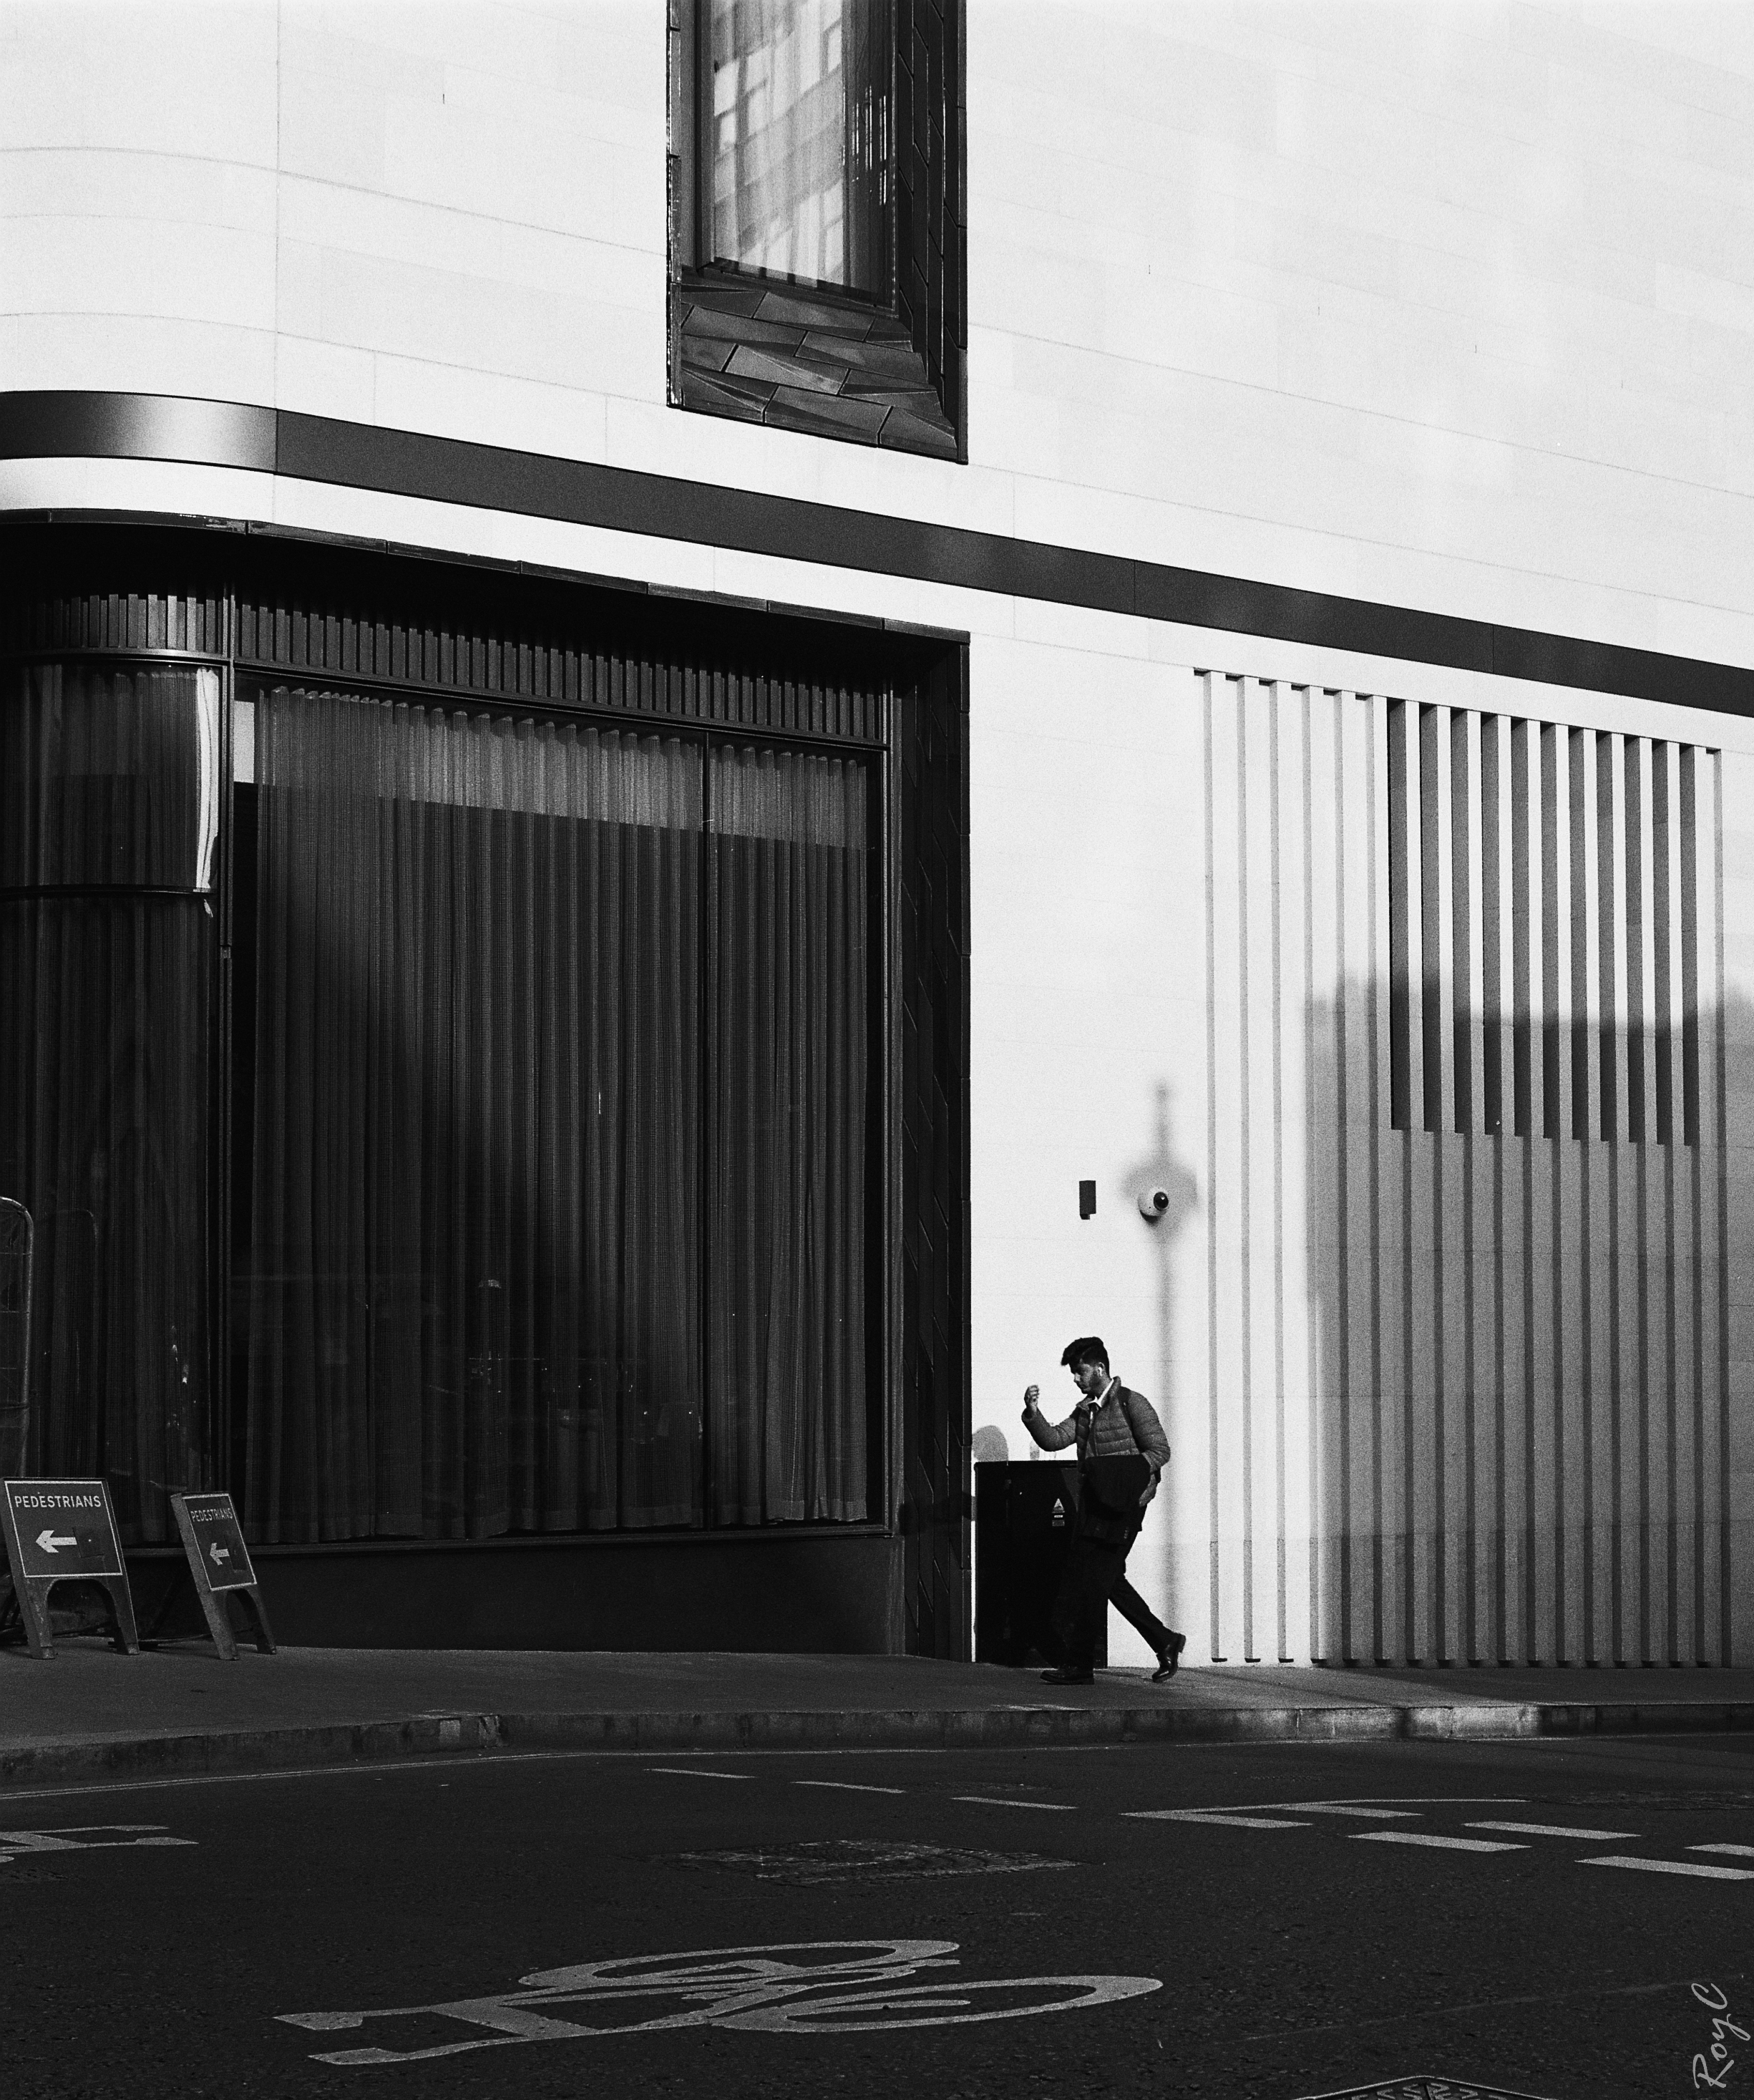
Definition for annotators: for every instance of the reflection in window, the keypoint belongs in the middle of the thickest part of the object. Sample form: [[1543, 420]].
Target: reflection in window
[[793, 118]]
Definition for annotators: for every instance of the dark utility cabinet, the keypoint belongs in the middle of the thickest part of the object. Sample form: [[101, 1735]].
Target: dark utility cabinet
[[1024, 1515]]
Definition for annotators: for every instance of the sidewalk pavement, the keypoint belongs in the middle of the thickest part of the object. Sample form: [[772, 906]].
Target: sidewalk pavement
[[89, 1714]]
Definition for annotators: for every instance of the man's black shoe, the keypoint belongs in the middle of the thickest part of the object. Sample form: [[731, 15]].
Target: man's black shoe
[[1068, 1677], [1168, 1656]]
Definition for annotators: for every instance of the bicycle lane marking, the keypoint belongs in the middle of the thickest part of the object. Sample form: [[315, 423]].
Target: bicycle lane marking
[[738, 1987]]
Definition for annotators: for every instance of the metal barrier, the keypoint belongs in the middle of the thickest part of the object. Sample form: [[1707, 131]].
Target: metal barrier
[[17, 1244]]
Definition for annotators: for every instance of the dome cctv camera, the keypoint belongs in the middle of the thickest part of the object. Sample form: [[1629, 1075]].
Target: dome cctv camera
[[1153, 1203]]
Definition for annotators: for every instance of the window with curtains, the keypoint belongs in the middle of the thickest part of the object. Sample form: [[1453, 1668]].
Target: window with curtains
[[552, 1125], [110, 800], [1544, 915], [793, 110]]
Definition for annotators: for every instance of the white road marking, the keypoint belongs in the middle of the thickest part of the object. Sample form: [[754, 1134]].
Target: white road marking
[[1401, 1803], [81, 1837], [993, 1801], [1672, 1867], [744, 1988], [1213, 1815], [685, 1771], [1373, 1805], [845, 1785], [447, 1761], [1348, 1808], [1552, 1830], [372, 1768], [1740, 1851], [1430, 1838]]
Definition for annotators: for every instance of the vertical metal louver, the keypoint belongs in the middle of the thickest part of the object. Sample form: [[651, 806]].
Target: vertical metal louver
[[1466, 1199], [1545, 907]]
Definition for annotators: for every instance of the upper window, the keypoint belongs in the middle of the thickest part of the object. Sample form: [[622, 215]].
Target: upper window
[[817, 245], [795, 132]]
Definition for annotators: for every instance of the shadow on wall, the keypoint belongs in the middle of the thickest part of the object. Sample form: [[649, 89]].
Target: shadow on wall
[[1519, 1364], [1160, 1169]]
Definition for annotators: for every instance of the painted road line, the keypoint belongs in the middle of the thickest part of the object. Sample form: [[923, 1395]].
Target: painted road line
[[1347, 1808], [685, 1771], [1213, 1815], [847, 1786], [1672, 1867], [1555, 1830], [1739, 1852], [1398, 1804], [81, 1837], [1430, 1838], [993, 1801]]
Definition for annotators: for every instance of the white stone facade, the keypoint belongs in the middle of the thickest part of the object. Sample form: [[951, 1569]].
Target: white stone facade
[[1448, 306]]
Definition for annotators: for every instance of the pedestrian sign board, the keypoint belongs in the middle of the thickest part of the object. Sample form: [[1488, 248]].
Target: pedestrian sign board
[[64, 1528], [213, 1541], [63, 1531], [218, 1542]]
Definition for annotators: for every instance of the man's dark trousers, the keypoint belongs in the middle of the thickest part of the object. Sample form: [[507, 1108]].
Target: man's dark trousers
[[1095, 1578]]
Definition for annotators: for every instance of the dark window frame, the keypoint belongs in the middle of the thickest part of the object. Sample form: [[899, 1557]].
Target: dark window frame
[[324, 605], [320, 606]]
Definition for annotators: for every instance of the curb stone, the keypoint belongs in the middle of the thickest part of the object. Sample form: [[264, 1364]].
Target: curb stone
[[438, 1734]]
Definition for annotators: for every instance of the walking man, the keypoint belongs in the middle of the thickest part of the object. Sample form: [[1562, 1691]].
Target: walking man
[[1108, 1422]]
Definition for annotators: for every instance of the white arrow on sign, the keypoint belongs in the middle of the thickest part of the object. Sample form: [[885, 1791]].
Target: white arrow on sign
[[216, 1553], [48, 1541]]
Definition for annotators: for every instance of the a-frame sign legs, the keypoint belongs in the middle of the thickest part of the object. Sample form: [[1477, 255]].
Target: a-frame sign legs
[[219, 1561], [214, 1610], [32, 1596]]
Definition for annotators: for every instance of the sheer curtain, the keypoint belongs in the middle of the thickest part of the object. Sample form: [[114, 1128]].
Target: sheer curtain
[[108, 819], [789, 971], [110, 778], [471, 1294], [790, 120]]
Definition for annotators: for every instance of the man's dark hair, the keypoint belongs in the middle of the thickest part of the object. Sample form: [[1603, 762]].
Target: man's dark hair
[[1087, 1349]]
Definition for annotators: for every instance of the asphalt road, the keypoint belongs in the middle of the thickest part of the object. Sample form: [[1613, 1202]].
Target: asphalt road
[[1262, 1921]]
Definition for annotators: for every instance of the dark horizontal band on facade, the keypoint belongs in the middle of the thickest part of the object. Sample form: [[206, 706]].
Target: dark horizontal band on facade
[[318, 448]]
